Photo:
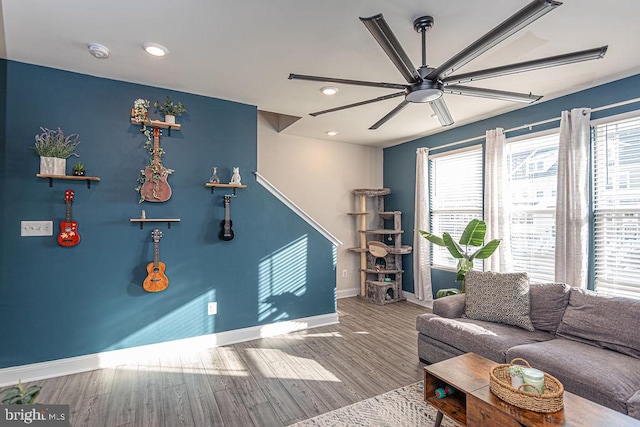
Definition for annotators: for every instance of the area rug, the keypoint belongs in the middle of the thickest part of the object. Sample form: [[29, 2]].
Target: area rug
[[401, 407]]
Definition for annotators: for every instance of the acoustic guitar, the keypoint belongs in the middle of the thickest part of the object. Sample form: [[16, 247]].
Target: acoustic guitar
[[156, 188], [68, 228], [226, 233], [156, 280]]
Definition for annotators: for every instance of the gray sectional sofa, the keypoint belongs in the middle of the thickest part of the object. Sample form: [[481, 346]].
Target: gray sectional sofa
[[588, 341]]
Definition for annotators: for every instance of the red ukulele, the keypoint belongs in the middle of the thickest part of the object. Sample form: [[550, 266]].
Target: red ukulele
[[68, 228], [156, 280], [156, 188]]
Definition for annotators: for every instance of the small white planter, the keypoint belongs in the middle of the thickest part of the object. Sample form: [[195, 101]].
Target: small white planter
[[168, 118], [53, 166]]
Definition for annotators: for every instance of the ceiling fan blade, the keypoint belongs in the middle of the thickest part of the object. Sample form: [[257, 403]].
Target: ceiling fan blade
[[536, 64], [379, 29], [491, 93], [346, 81], [519, 20], [357, 104], [389, 115], [441, 111]]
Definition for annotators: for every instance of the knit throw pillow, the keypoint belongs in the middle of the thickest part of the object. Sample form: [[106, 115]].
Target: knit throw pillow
[[498, 297]]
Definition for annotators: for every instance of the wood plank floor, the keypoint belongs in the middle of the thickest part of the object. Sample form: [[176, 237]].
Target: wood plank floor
[[268, 382]]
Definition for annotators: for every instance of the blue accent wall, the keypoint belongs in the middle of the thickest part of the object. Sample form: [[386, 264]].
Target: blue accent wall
[[58, 302], [399, 161]]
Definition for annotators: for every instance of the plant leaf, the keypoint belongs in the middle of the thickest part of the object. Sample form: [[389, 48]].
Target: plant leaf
[[455, 250], [464, 265], [431, 237], [446, 292], [487, 250], [473, 234]]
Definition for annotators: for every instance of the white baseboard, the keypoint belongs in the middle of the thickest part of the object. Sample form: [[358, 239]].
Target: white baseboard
[[90, 362], [411, 297], [346, 293]]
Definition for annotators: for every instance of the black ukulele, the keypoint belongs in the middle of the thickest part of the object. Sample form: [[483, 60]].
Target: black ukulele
[[226, 233]]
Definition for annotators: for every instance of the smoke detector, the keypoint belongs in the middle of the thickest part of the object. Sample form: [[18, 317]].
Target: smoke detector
[[97, 50]]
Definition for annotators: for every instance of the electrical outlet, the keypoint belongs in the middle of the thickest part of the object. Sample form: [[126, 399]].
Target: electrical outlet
[[344, 273], [212, 308], [36, 228]]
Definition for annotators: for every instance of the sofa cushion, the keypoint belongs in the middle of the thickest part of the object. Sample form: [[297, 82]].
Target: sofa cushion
[[603, 376], [602, 320], [498, 297], [633, 405], [488, 339], [548, 302], [451, 306]]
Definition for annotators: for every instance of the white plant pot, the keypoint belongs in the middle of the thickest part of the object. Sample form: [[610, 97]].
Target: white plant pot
[[53, 166], [170, 119]]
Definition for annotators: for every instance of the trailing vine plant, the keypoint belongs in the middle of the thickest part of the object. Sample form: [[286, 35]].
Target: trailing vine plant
[[139, 113]]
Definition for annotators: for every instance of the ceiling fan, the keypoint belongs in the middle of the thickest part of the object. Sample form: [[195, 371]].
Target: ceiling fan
[[428, 84]]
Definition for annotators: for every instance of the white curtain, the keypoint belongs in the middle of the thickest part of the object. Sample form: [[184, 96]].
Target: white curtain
[[496, 210], [572, 210], [421, 246]]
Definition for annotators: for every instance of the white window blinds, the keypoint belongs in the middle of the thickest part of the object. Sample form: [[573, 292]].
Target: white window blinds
[[455, 197], [533, 169], [616, 205]]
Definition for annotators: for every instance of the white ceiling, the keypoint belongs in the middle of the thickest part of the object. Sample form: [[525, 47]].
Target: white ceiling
[[244, 50]]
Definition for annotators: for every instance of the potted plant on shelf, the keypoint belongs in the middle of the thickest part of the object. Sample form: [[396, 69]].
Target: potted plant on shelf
[[465, 251], [54, 148], [78, 169], [170, 109]]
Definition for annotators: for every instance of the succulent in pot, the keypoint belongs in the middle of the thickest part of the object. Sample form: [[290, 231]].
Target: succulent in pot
[[78, 169]]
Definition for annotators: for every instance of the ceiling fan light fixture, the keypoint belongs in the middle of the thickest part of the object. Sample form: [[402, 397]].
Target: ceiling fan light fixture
[[329, 90], [427, 91], [155, 49]]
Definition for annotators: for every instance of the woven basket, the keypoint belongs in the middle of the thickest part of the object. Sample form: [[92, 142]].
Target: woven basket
[[549, 401]]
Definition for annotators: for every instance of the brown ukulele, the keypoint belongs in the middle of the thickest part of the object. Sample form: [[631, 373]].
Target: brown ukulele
[[156, 280], [156, 188]]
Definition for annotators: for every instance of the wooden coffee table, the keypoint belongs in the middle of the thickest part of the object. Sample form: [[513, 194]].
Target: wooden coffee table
[[473, 404]]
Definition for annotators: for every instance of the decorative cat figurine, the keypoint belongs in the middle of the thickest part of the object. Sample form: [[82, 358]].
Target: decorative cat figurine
[[235, 178]]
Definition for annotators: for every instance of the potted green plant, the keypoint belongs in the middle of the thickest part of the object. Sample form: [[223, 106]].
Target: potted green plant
[[469, 248], [18, 395], [78, 169], [54, 148], [170, 109]]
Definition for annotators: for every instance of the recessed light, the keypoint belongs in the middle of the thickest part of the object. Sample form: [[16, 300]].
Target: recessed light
[[98, 51], [332, 133], [329, 90], [155, 49]]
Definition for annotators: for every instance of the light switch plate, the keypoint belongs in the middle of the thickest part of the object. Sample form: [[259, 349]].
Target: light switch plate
[[36, 228]]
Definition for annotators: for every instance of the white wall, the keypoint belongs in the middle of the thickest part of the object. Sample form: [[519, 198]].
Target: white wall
[[318, 176]]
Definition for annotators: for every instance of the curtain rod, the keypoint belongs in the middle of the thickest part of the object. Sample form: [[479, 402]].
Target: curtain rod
[[530, 125]]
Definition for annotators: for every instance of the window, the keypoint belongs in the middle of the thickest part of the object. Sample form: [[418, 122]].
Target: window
[[455, 196], [533, 168], [616, 206]]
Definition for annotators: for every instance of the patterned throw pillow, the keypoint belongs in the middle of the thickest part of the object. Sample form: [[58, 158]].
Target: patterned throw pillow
[[498, 297]]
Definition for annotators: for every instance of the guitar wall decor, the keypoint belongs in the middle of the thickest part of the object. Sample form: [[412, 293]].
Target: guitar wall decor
[[156, 280], [156, 188], [226, 233], [68, 228]]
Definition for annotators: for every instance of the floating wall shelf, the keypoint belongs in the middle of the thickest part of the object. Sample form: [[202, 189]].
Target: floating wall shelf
[[69, 177], [143, 220], [213, 185], [157, 124]]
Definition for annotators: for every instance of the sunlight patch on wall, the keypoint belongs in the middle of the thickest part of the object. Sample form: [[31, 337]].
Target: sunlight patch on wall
[[190, 319], [282, 277]]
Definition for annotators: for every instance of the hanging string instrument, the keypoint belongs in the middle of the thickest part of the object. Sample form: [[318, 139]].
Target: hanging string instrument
[[156, 188]]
